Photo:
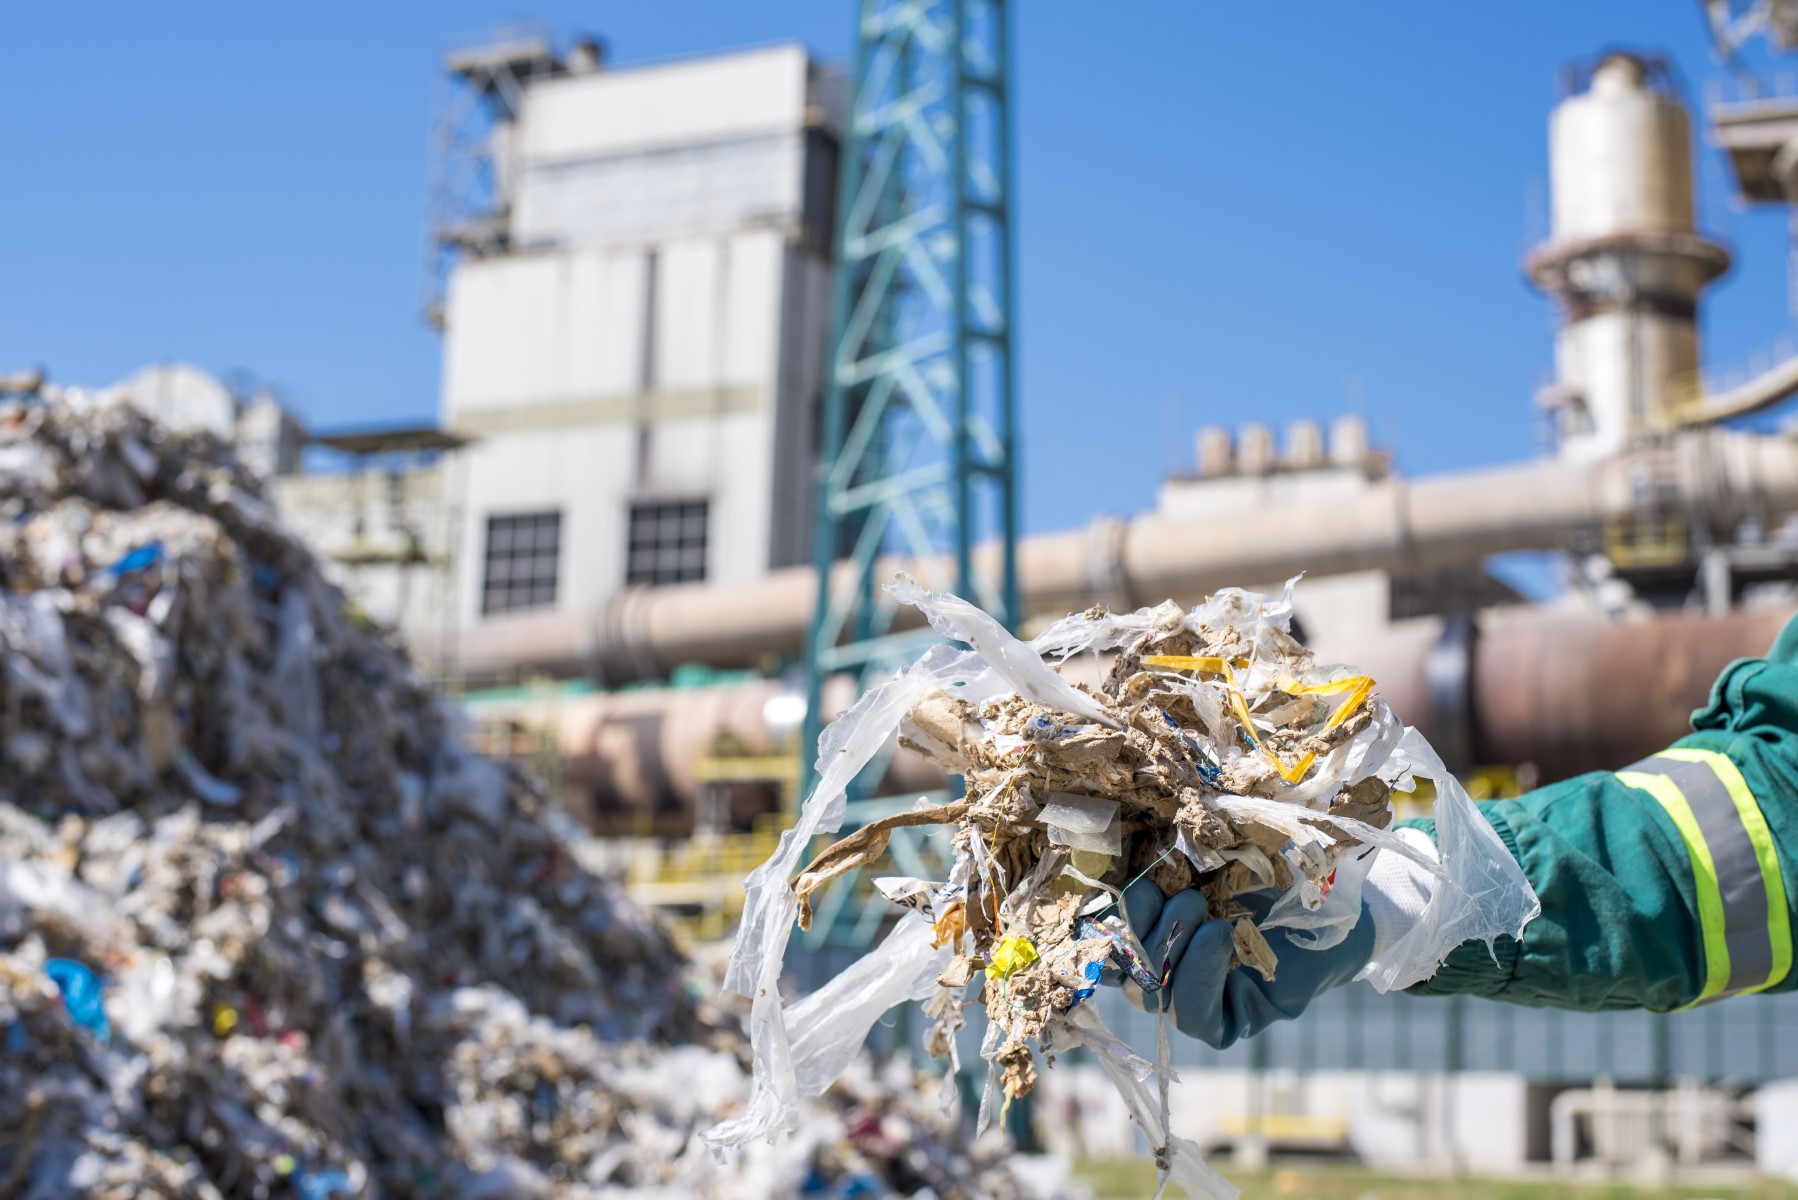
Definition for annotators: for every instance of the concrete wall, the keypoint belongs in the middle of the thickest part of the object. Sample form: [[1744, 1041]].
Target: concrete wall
[[659, 332], [1776, 1122], [1476, 1121], [362, 523], [708, 99]]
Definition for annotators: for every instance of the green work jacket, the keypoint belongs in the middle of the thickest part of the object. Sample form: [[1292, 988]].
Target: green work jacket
[[1668, 883]]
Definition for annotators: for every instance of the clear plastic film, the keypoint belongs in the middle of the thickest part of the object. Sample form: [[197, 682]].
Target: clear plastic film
[[824, 1031], [772, 907], [1481, 891], [1178, 1161]]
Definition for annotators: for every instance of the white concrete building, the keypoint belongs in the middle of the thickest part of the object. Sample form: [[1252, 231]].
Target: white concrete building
[[636, 349]]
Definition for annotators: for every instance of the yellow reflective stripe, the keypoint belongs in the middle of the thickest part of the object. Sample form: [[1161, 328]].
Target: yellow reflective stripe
[[1754, 823], [1704, 878]]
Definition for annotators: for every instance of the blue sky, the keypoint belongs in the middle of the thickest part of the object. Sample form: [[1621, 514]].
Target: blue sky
[[1264, 213]]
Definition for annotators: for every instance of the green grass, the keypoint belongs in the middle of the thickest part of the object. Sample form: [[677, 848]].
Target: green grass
[[1119, 1179]]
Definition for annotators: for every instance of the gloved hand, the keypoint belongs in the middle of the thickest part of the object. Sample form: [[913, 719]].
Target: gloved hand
[[1215, 1004]]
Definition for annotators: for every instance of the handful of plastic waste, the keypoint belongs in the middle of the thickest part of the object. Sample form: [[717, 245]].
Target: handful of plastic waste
[[1217, 754]]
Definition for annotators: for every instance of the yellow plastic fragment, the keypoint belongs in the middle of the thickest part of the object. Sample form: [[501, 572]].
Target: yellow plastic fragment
[[1358, 687], [224, 1020], [1189, 662], [1014, 953]]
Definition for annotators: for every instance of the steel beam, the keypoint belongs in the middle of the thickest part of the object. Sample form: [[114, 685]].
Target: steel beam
[[919, 432]]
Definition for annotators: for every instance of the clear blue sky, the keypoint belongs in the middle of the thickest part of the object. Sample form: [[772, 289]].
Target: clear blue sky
[[1247, 207]]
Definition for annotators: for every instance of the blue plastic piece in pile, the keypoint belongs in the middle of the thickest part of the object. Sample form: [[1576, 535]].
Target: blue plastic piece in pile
[[81, 995], [322, 1185], [138, 559]]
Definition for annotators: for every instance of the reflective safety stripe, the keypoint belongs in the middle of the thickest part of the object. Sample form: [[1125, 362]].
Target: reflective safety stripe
[[1735, 871], [1772, 880], [1711, 918]]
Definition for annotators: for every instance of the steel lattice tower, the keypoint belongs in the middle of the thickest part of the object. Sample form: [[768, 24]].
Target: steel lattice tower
[[919, 447]]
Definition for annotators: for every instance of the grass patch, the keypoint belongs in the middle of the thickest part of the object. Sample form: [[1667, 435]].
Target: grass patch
[[1118, 1179]]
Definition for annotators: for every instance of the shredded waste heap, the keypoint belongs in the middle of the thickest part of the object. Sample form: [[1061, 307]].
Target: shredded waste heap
[[267, 929], [1218, 754]]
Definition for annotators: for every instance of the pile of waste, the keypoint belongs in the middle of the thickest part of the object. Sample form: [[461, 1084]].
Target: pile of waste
[[267, 928], [1218, 754]]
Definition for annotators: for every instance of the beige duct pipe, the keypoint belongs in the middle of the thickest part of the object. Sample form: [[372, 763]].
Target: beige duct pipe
[[1565, 692], [1719, 476], [1763, 391]]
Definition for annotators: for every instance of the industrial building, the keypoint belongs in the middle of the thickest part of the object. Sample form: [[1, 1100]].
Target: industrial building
[[588, 460], [1678, 531], [631, 271], [633, 326], [631, 268], [1658, 506]]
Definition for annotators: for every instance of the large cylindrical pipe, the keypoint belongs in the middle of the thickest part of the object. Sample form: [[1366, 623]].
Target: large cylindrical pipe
[[1565, 692], [1720, 476], [1572, 696]]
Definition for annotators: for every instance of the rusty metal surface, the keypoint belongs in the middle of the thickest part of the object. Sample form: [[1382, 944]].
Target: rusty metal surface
[[1573, 695]]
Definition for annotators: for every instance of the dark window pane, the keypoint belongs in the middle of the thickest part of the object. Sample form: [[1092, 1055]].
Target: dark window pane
[[666, 541], [521, 561]]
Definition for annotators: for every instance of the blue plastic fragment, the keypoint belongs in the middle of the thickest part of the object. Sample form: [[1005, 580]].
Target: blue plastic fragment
[[1093, 971], [1123, 954], [18, 1039], [322, 1185], [147, 555], [82, 995], [1208, 769]]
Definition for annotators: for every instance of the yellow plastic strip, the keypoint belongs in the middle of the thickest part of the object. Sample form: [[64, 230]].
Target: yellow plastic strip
[[1359, 687], [1704, 878], [1779, 921], [1187, 662]]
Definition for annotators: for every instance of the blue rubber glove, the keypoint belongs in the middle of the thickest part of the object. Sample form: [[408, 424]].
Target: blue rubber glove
[[1210, 1001]]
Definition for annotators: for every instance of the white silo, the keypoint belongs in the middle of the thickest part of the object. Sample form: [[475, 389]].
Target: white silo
[[1624, 257]]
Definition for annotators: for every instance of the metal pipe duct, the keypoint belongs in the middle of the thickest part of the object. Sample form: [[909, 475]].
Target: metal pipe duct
[[1717, 477], [1565, 692], [1761, 392]]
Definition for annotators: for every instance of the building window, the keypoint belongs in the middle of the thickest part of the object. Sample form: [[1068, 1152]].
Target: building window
[[667, 542], [522, 557]]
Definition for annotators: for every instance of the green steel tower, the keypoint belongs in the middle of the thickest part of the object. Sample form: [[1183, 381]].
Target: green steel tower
[[917, 459]]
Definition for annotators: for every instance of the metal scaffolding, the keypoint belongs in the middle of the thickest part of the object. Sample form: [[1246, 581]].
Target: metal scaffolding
[[918, 454], [470, 204]]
